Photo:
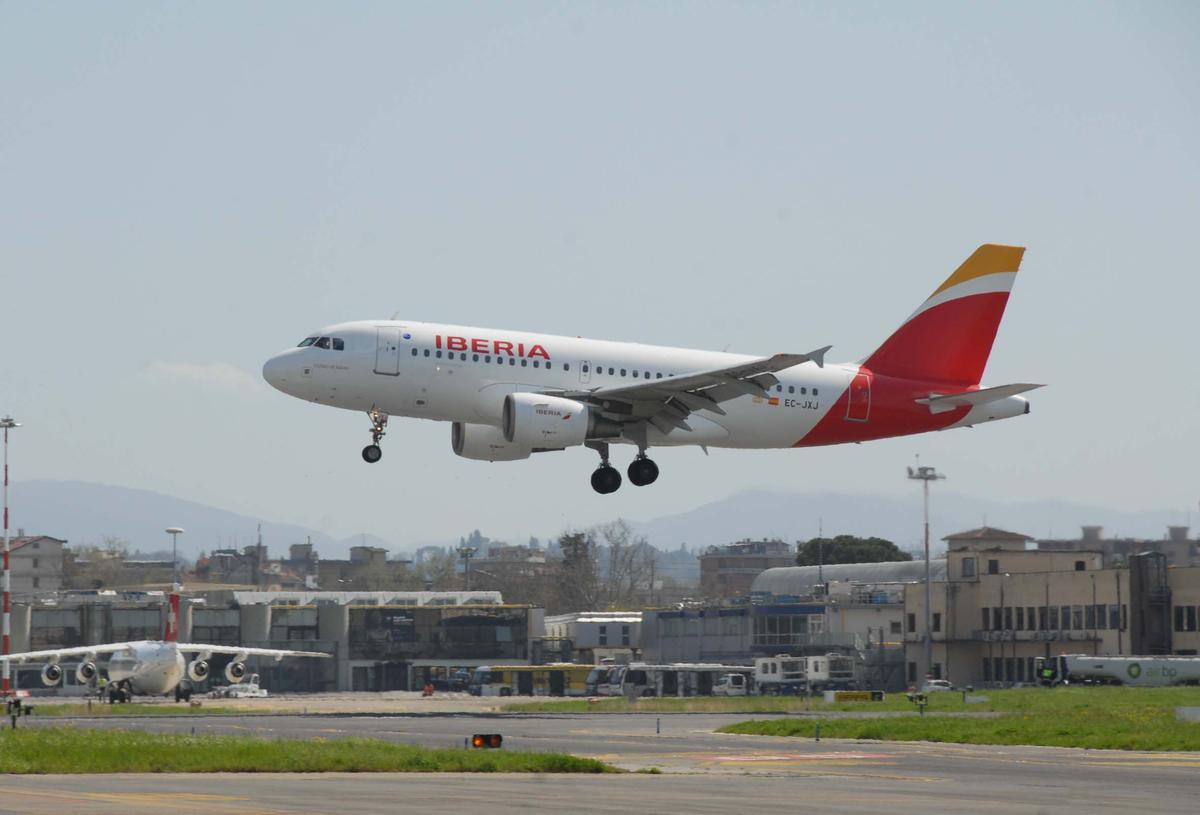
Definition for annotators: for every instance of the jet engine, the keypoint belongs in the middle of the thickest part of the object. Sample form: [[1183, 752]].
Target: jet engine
[[542, 422], [85, 673], [52, 674], [197, 670], [482, 442], [234, 671]]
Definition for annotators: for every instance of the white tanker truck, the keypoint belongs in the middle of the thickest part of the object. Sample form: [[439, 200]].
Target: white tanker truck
[[1145, 672]]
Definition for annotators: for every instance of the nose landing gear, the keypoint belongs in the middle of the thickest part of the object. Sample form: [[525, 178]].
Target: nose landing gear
[[372, 452]]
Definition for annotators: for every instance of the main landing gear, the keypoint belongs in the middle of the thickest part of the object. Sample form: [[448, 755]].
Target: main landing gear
[[372, 452], [606, 479]]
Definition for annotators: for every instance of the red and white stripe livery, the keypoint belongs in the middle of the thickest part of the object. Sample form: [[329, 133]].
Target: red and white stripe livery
[[510, 394]]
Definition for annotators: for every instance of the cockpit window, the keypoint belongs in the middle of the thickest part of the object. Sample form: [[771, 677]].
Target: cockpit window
[[338, 344], [323, 342], [307, 341]]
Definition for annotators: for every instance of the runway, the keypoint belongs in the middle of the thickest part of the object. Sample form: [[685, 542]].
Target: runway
[[703, 772]]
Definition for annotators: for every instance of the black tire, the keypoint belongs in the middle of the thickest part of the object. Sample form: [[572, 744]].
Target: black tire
[[642, 472], [371, 453], [606, 480]]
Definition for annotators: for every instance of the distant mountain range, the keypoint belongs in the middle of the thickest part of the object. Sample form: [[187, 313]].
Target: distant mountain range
[[85, 513], [796, 516]]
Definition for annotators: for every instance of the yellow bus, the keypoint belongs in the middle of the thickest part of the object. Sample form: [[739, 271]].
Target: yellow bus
[[560, 679]]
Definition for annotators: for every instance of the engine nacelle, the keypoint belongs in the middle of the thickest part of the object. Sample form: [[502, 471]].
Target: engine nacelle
[[51, 674], [197, 670], [482, 442], [85, 673], [542, 422], [234, 671]]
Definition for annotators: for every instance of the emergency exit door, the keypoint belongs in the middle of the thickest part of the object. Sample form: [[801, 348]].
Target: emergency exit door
[[387, 351]]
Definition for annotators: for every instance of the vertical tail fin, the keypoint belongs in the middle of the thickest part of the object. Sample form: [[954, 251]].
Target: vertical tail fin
[[171, 632], [949, 338]]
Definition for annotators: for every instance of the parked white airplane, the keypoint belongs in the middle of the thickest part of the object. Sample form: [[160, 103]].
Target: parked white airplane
[[149, 667], [510, 394]]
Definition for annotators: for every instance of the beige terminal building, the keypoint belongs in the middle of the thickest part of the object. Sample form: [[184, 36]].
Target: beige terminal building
[[1001, 604]]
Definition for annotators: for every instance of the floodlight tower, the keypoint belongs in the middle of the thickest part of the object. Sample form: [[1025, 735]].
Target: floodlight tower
[[925, 475], [174, 532], [5, 683], [466, 553]]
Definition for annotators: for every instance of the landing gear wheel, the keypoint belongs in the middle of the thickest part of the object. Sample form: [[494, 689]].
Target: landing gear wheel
[[606, 479], [371, 453], [642, 471]]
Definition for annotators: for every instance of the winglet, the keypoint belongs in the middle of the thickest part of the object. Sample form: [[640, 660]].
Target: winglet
[[818, 356]]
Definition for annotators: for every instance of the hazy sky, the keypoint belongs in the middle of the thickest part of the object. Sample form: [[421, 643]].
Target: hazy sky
[[186, 189]]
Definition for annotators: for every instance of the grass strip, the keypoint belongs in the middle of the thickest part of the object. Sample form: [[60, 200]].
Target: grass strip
[[97, 709], [1035, 702], [68, 750], [1108, 718]]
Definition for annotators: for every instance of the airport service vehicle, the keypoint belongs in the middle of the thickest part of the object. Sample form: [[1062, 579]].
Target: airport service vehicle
[[150, 667], [732, 685], [677, 679], [529, 680], [936, 686], [1150, 671], [247, 689], [785, 674], [510, 394], [599, 681]]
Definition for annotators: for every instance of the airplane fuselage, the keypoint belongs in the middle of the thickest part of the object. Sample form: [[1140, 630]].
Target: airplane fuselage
[[462, 374], [152, 668]]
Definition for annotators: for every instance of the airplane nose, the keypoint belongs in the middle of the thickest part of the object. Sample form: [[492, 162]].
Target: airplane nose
[[275, 371]]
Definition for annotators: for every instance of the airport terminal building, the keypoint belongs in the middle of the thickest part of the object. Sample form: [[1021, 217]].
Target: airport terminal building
[[379, 640]]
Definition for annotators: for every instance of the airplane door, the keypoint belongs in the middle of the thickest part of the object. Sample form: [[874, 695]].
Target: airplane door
[[585, 372], [387, 351], [858, 406]]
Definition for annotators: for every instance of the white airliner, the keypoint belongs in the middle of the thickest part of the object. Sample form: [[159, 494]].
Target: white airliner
[[149, 667], [510, 394]]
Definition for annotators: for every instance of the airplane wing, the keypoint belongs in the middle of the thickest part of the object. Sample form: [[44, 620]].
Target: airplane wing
[[192, 647], [666, 403], [56, 654], [941, 403]]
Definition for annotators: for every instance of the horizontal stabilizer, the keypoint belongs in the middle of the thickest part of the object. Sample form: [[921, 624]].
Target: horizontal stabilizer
[[944, 402]]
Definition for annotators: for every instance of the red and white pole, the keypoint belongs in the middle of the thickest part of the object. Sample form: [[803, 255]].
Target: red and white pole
[[7, 423]]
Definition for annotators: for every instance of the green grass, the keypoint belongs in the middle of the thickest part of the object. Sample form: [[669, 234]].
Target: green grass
[[1115, 718], [133, 709], [67, 750], [694, 704]]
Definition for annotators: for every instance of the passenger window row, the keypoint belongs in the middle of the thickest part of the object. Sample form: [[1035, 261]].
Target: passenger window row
[[792, 389], [487, 359], [627, 372]]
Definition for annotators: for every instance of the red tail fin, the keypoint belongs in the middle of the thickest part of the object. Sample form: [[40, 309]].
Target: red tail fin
[[171, 634], [949, 338]]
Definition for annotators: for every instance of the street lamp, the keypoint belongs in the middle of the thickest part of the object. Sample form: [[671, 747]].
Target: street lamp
[[925, 475], [5, 684], [174, 532]]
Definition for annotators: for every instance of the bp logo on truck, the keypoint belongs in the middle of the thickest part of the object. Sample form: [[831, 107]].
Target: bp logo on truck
[[1134, 670]]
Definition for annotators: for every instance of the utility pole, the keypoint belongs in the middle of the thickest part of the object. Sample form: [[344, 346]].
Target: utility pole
[[925, 475], [8, 424]]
